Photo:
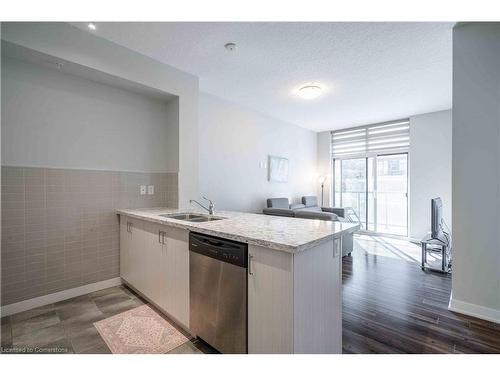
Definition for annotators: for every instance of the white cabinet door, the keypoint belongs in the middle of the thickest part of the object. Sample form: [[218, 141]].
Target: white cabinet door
[[136, 258], [177, 274], [153, 269], [157, 264], [270, 301], [318, 299], [125, 244]]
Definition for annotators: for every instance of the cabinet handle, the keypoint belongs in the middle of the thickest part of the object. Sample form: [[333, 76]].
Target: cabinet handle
[[163, 237], [129, 227], [159, 236], [250, 257], [337, 247]]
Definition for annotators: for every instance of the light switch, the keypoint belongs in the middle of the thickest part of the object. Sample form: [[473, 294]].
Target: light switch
[[151, 190], [143, 190]]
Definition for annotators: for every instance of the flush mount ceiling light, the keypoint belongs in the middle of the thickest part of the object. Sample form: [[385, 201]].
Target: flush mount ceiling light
[[231, 47], [310, 91], [92, 26]]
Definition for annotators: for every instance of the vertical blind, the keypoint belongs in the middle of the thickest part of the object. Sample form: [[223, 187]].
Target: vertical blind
[[384, 138]]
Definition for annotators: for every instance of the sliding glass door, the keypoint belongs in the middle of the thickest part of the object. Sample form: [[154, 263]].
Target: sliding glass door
[[376, 188], [352, 186], [392, 194]]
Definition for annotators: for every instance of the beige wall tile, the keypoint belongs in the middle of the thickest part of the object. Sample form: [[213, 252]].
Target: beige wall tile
[[33, 253], [54, 260], [12, 247], [13, 230], [54, 177], [34, 176], [54, 274], [12, 261], [14, 272], [12, 176], [12, 238], [60, 229]]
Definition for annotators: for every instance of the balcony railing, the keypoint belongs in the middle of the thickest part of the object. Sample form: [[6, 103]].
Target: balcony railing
[[391, 209]]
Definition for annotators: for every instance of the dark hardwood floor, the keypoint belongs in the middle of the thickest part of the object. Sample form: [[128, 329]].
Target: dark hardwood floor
[[392, 306]]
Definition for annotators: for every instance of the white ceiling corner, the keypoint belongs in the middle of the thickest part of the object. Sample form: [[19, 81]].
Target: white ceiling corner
[[372, 71]]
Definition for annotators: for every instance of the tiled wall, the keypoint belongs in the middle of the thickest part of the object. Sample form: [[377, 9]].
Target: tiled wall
[[59, 228]]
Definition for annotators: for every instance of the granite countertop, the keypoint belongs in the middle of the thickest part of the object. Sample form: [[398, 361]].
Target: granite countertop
[[279, 233]]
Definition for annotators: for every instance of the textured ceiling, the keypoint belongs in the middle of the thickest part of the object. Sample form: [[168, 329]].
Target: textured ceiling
[[373, 71]]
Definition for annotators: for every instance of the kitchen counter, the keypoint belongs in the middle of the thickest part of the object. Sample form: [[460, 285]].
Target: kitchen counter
[[287, 234], [292, 279]]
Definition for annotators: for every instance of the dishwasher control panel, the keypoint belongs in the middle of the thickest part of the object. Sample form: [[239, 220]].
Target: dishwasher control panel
[[219, 248]]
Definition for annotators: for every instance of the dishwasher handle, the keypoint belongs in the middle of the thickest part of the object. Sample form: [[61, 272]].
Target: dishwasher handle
[[213, 242]]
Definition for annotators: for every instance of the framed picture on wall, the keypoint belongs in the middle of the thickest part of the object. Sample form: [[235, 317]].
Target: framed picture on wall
[[278, 169]]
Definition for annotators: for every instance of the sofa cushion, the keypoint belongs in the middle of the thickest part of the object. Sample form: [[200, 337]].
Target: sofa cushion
[[310, 201], [308, 214], [313, 209], [278, 203], [279, 212], [335, 210], [297, 206]]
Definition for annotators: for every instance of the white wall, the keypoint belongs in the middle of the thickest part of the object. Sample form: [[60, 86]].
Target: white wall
[[430, 169], [69, 44], [234, 140], [53, 119], [476, 170], [172, 140]]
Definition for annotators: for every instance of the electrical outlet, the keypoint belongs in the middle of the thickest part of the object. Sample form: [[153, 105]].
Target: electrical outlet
[[143, 190], [151, 190]]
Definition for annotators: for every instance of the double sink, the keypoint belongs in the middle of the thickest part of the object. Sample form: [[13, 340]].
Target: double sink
[[192, 218]]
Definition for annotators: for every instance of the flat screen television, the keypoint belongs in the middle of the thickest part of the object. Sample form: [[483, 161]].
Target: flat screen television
[[436, 217]]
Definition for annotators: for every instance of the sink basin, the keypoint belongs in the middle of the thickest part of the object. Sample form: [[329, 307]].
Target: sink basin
[[205, 218], [182, 216], [193, 218]]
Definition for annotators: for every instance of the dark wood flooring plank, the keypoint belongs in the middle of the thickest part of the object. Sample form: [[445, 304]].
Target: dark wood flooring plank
[[392, 306]]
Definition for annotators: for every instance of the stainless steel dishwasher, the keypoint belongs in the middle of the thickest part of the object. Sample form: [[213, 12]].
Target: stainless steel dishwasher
[[218, 292]]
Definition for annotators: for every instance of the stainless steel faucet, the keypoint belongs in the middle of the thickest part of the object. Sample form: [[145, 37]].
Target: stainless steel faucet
[[210, 208]]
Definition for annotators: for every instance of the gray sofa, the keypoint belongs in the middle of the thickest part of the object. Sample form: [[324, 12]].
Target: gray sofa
[[309, 209]]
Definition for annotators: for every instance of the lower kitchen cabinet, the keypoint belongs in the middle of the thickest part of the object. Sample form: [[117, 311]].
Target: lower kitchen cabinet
[[125, 242], [154, 259], [177, 273], [155, 254], [270, 301], [295, 300], [131, 262]]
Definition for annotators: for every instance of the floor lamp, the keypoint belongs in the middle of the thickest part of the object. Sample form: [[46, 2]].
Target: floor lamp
[[322, 180]]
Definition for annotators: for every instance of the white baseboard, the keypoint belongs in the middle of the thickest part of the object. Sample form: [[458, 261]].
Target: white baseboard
[[32, 303], [477, 311]]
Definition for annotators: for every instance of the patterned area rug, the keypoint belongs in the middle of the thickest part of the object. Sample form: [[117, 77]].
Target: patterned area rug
[[139, 331]]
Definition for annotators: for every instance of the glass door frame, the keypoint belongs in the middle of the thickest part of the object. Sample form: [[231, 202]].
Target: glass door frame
[[374, 158]]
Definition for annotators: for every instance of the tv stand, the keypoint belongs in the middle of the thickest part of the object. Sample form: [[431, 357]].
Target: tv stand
[[439, 244]]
